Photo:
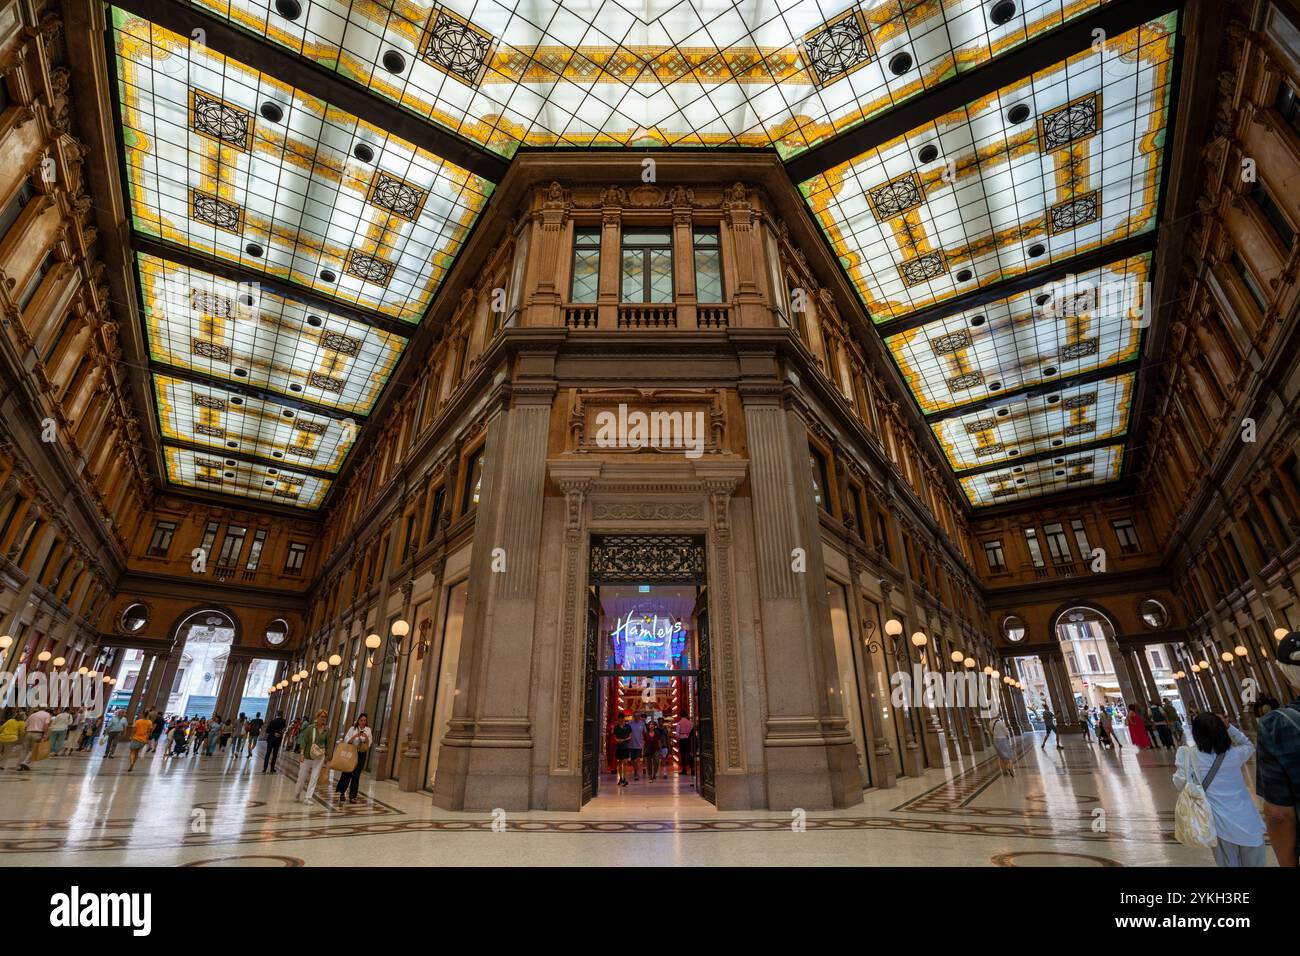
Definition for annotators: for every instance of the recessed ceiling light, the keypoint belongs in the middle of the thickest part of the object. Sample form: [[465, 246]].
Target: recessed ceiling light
[[314, 321], [229, 474], [241, 372], [277, 454], [232, 444], [900, 63], [363, 152], [1058, 461], [1002, 12], [1036, 250], [236, 401], [230, 461], [1049, 370], [1043, 299], [289, 9], [1019, 469], [1020, 481], [288, 413], [255, 250], [1060, 473], [965, 275], [1058, 442], [977, 320], [1053, 399], [269, 483], [1017, 114], [994, 386], [271, 111], [929, 153], [1003, 412], [394, 62], [273, 471], [247, 300], [295, 387], [328, 275], [1013, 452]]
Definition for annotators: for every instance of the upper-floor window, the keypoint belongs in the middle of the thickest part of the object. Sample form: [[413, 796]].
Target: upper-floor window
[[14, 208], [1248, 280], [293, 562], [586, 265], [255, 549], [708, 266], [232, 547], [34, 282], [1273, 213], [162, 538], [1126, 534], [209, 538], [1157, 661], [1081, 538], [1057, 543], [1288, 104], [473, 482], [435, 513], [993, 552], [1035, 552], [882, 536], [1094, 665], [820, 480], [647, 265]]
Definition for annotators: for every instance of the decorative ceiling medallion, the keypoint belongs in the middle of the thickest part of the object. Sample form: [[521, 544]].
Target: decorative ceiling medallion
[[368, 267], [296, 480], [338, 342], [950, 343], [207, 401], [1065, 216], [211, 350], [1077, 120], [286, 492], [209, 209], [456, 47], [311, 428], [209, 463], [923, 268], [1075, 305], [988, 451], [839, 47], [211, 431], [216, 119], [1080, 428], [397, 196], [1081, 401], [965, 380], [981, 425], [896, 196], [302, 451], [210, 303], [1078, 350], [325, 382]]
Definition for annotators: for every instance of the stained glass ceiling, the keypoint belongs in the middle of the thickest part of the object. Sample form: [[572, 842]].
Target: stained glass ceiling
[[788, 74], [286, 247]]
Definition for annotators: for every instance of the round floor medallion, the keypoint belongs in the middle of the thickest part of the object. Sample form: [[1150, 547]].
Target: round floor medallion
[[249, 860], [1050, 858]]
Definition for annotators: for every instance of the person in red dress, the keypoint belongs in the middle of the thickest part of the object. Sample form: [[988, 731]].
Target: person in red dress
[[1137, 728]]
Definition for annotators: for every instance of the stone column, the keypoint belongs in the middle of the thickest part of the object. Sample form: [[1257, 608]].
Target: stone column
[[484, 761], [1057, 688], [1148, 679], [161, 688], [809, 754], [146, 667]]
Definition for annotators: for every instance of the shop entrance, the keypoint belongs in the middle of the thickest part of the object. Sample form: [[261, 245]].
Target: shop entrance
[[648, 661]]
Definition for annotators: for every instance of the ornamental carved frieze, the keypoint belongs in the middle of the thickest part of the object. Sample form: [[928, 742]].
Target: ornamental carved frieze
[[672, 421], [647, 511]]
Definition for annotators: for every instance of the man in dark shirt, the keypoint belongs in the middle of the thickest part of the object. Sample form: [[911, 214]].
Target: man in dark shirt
[[254, 731], [274, 734], [1277, 762]]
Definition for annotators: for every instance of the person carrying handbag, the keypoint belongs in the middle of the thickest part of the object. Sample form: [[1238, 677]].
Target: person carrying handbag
[[1215, 810], [358, 737], [312, 741]]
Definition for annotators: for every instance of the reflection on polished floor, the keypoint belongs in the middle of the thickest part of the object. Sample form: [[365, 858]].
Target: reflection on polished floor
[[1077, 807]]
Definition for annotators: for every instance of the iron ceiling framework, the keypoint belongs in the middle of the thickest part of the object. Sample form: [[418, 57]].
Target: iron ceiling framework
[[332, 158]]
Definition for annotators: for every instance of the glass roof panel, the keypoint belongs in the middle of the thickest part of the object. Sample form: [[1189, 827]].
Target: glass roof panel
[[267, 483], [1018, 482], [1054, 165], [211, 416], [784, 73], [1083, 322], [1028, 425], [246, 334], [233, 163]]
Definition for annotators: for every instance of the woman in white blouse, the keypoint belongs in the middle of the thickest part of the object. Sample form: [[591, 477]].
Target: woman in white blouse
[[359, 736], [1220, 752]]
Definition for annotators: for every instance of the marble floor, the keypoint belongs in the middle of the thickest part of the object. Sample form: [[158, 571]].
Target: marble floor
[[1076, 807]]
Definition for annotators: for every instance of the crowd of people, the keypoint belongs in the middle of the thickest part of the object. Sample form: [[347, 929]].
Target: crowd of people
[[642, 742], [29, 737]]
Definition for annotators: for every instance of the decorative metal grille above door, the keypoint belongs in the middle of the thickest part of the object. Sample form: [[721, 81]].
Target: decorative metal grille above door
[[647, 559]]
